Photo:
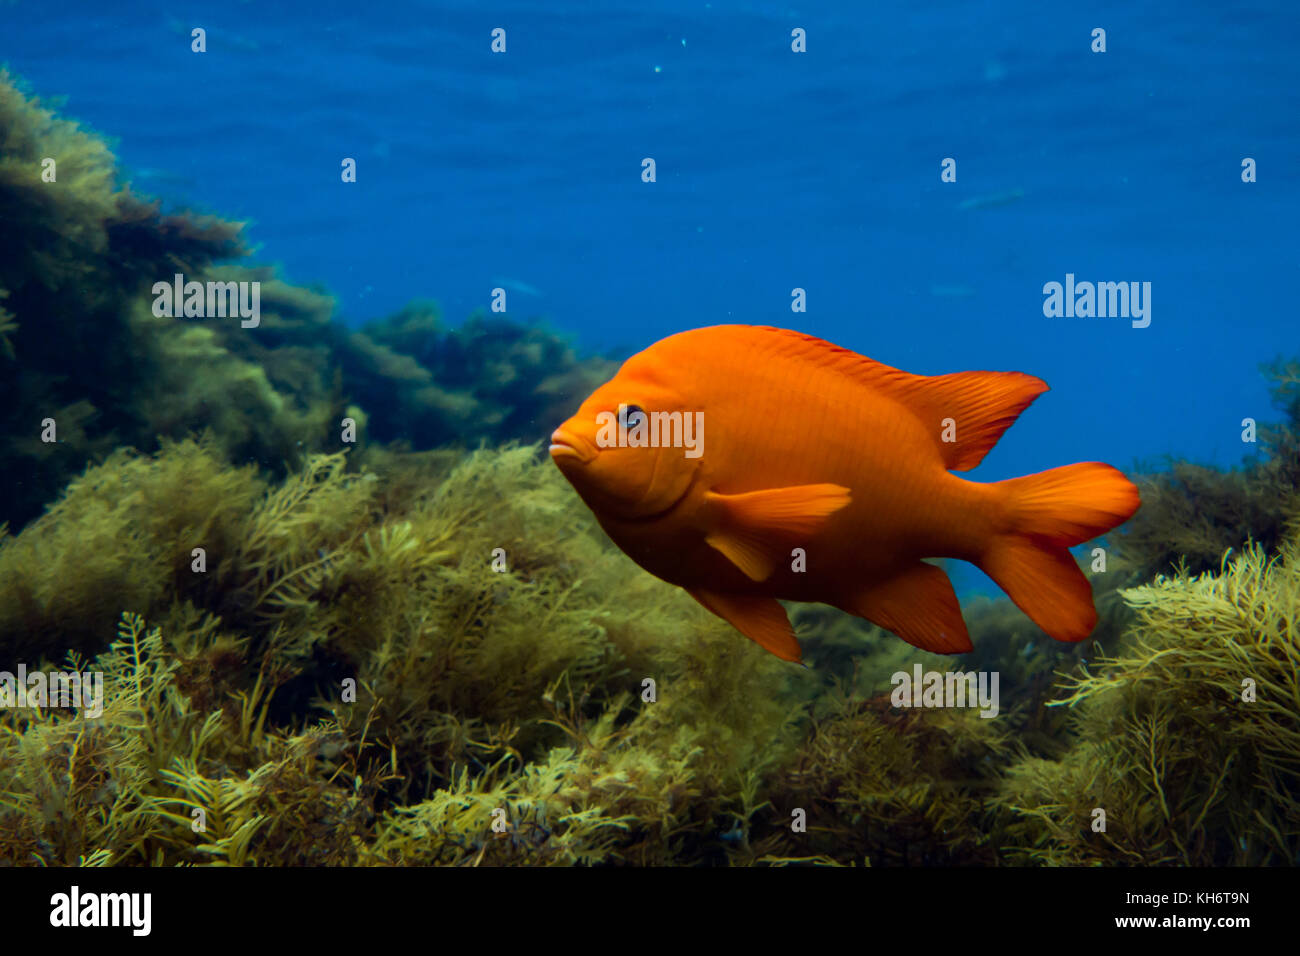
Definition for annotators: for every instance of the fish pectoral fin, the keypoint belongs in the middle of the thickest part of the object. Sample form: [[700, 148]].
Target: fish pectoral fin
[[752, 527], [762, 620], [793, 511], [919, 605]]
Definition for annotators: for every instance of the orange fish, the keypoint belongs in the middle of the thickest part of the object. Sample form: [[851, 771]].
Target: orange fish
[[750, 464]]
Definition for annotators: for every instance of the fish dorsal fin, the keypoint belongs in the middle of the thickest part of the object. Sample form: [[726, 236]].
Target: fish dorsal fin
[[975, 408], [752, 528], [981, 405]]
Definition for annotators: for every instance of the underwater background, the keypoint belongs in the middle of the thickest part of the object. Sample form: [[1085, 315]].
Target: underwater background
[[328, 561]]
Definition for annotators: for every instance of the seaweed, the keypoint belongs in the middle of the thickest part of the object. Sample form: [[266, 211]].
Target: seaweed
[[79, 257], [124, 788], [1188, 736], [387, 646], [499, 681], [109, 544], [892, 788], [438, 658], [7, 327], [71, 262], [491, 378]]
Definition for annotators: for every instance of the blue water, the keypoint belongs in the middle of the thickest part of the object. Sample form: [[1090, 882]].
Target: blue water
[[775, 170]]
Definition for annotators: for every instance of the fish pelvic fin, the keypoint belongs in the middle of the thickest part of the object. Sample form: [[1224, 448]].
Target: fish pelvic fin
[[919, 605], [752, 528], [1049, 513], [747, 551], [762, 620]]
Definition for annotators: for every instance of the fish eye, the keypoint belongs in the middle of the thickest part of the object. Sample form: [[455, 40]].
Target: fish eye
[[630, 416]]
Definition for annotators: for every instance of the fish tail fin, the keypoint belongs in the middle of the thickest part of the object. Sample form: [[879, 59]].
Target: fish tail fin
[[1050, 512]]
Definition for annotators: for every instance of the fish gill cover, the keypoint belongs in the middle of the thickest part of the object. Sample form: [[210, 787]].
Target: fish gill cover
[[418, 647]]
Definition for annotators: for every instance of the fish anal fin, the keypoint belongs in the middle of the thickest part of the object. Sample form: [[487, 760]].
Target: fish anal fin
[[752, 527], [919, 605], [763, 620]]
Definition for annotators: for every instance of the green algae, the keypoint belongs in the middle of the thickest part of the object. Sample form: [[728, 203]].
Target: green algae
[[1188, 736], [79, 257], [502, 716], [463, 675]]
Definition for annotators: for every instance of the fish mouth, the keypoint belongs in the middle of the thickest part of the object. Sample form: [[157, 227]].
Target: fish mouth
[[568, 445]]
